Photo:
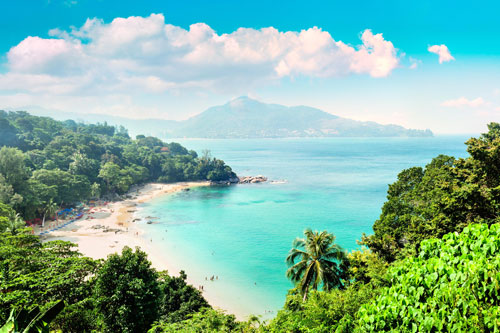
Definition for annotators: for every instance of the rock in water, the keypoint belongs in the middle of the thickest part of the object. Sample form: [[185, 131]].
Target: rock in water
[[252, 179]]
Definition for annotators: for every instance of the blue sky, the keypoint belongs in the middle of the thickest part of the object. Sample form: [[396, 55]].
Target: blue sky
[[397, 79]]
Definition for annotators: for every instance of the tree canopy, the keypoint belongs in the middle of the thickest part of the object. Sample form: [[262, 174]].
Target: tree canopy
[[42, 159]]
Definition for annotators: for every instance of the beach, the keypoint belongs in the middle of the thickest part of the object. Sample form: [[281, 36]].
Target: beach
[[106, 229]]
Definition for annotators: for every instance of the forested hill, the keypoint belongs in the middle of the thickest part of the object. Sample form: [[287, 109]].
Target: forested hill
[[44, 161]]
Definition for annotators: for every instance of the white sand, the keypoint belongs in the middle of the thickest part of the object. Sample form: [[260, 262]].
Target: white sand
[[92, 239], [117, 219]]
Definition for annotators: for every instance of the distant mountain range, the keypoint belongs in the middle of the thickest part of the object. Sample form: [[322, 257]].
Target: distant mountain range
[[244, 117]]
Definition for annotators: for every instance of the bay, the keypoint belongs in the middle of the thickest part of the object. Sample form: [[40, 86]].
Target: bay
[[241, 234]]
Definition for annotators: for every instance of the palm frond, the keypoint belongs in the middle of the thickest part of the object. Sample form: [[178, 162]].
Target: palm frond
[[294, 254]]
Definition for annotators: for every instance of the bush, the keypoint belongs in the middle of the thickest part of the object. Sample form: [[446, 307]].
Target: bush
[[452, 285]]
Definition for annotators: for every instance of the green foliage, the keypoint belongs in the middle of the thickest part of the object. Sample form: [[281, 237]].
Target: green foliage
[[365, 266], [444, 197], [123, 294], [7, 194], [205, 321], [12, 167], [32, 321], [178, 299], [319, 262], [9, 220], [127, 292], [453, 285], [331, 311], [78, 317], [42, 159], [34, 274]]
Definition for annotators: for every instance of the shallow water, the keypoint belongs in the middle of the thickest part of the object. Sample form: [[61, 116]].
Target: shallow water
[[242, 233]]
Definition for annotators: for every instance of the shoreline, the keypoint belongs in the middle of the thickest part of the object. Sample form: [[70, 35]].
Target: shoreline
[[107, 229]]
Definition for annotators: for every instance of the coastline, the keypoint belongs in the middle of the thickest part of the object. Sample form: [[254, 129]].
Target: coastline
[[107, 229]]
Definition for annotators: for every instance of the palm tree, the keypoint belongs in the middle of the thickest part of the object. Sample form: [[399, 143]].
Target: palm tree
[[15, 223], [319, 262], [49, 210]]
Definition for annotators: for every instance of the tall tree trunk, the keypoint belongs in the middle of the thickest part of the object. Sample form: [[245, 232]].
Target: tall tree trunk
[[43, 221]]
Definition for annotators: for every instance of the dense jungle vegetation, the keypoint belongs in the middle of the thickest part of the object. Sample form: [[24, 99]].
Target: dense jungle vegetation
[[431, 265], [45, 162]]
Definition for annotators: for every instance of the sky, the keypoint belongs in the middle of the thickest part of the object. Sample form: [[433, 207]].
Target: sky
[[420, 64]]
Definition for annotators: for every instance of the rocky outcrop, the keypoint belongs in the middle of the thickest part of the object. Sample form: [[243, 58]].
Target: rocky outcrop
[[252, 179], [241, 180]]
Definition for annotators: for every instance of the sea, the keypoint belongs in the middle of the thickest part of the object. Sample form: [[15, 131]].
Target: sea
[[233, 240]]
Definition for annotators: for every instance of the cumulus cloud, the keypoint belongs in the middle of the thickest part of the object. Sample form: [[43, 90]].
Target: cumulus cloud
[[442, 51], [464, 102], [141, 48], [146, 55]]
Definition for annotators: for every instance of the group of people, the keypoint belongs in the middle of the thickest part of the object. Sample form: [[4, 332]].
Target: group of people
[[212, 278]]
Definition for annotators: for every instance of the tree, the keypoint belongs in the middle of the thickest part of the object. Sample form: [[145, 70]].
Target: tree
[[34, 274], [82, 165], [178, 299], [127, 292], [95, 191], [12, 167], [70, 189], [367, 267], [14, 224], [110, 173], [7, 194], [9, 220], [49, 209], [319, 261]]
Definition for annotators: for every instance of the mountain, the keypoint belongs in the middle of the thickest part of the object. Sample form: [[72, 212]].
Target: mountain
[[244, 117], [247, 118]]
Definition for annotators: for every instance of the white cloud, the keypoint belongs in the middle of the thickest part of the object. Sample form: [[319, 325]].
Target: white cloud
[[138, 48], [442, 51], [464, 102], [142, 57]]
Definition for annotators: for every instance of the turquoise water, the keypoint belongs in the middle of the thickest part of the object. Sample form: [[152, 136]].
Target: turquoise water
[[242, 233]]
